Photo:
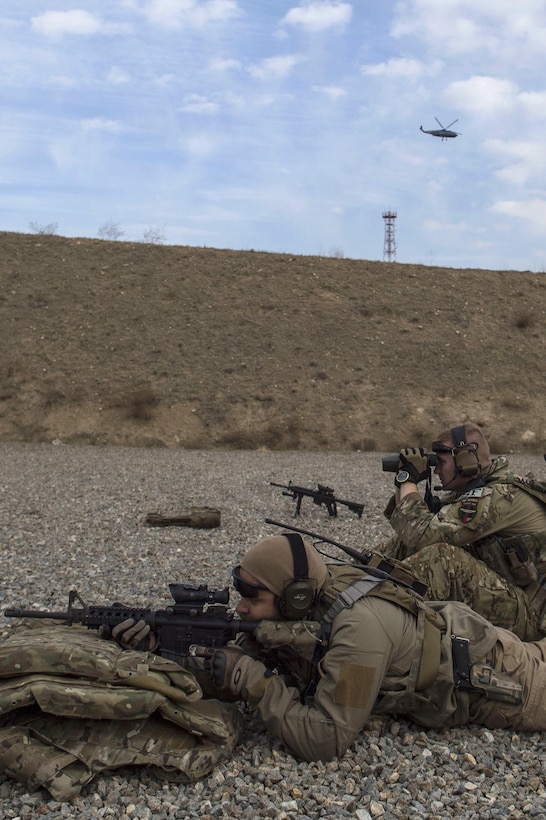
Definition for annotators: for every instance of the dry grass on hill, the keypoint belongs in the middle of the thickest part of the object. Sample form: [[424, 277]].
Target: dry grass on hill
[[150, 345]]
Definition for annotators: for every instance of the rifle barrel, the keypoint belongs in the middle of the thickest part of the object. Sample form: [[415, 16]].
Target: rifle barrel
[[36, 613], [163, 618]]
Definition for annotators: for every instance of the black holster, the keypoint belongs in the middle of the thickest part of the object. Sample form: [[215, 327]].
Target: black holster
[[480, 676]]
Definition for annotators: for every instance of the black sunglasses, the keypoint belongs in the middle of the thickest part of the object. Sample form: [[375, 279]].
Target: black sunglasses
[[245, 588], [438, 447]]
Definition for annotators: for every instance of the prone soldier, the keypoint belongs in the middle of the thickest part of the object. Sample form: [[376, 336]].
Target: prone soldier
[[337, 645]]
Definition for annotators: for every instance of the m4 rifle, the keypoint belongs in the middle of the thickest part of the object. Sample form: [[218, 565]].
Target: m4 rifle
[[322, 495], [199, 616]]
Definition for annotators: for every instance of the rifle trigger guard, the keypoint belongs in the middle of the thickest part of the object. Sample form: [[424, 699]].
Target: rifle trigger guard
[[196, 651]]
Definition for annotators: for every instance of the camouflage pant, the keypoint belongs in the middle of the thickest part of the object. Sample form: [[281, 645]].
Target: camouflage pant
[[452, 574]]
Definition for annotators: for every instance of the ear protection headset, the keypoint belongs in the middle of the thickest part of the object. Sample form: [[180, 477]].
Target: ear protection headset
[[298, 596], [466, 460]]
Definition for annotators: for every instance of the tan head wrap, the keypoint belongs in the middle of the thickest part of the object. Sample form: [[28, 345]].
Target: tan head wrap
[[271, 563]]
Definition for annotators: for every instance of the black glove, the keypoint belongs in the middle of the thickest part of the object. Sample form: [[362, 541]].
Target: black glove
[[235, 673], [222, 665], [134, 635], [415, 461]]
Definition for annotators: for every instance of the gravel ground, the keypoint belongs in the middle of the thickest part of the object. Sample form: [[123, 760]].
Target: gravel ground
[[74, 517]]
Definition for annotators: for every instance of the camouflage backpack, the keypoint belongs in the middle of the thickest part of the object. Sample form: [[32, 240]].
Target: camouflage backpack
[[73, 705]]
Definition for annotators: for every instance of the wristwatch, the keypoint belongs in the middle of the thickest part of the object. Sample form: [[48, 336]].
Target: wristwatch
[[401, 478]]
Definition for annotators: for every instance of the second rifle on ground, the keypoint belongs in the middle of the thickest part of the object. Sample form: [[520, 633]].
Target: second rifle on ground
[[322, 495]]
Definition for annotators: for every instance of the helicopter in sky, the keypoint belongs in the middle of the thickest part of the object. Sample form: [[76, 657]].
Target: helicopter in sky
[[442, 132]]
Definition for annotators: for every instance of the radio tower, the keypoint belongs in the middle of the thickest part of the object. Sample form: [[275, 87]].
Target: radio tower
[[389, 247]]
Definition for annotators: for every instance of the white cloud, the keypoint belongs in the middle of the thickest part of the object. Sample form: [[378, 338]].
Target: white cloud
[[63, 81], [483, 95], [501, 29], [319, 16], [533, 104], [58, 23], [334, 92], [402, 67], [101, 124], [198, 104], [76, 22], [501, 110], [189, 13], [224, 64], [439, 226], [117, 76], [531, 211], [275, 67], [234, 100], [530, 160], [201, 146], [442, 26], [165, 80], [81, 151]]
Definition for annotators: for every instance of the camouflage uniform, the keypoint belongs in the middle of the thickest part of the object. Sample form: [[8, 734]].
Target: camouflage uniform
[[453, 550], [73, 705], [382, 658]]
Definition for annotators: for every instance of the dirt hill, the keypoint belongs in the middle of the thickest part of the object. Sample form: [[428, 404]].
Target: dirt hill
[[152, 345]]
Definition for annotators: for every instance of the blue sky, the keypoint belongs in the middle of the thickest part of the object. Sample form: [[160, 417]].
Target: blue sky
[[280, 126]]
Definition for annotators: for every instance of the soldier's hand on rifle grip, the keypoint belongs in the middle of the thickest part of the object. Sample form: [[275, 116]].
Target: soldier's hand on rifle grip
[[236, 674], [134, 635], [221, 663], [415, 461]]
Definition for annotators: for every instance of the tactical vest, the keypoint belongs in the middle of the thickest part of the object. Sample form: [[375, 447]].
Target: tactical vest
[[349, 586], [519, 558], [476, 677], [528, 483]]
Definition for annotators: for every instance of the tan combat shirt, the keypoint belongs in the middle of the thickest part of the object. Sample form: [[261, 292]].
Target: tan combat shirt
[[366, 669]]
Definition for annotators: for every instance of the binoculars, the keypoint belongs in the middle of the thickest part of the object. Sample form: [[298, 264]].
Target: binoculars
[[390, 463]]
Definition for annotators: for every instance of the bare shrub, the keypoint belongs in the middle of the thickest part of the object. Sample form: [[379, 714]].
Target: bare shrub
[[37, 300], [140, 403], [525, 319], [516, 403], [364, 445], [31, 432], [275, 436], [110, 230], [154, 236], [51, 397], [43, 230], [81, 438]]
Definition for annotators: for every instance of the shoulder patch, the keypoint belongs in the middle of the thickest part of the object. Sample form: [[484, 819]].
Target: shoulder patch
[[355, 686], [468, 508]]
